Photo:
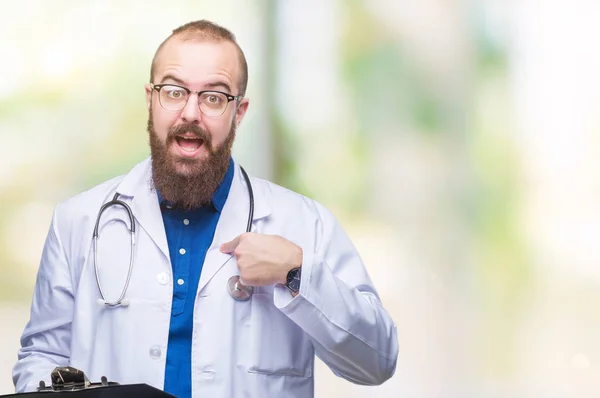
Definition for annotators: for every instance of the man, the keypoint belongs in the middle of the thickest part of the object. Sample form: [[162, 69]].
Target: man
[[166, 316]]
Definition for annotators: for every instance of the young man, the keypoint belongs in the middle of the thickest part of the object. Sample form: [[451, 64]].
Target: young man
[[162, 306]]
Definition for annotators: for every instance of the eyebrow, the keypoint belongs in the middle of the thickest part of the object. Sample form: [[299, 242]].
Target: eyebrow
[[175, 79], [212, 85], [222, 85]]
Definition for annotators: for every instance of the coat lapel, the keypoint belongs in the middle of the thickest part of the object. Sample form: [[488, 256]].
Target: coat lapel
[[232, 223], [144, 204]]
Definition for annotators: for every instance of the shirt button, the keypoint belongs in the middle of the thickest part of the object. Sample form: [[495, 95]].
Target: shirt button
[[163, 278], [186, 221], [180, 282], [155, 352], [182, 251]]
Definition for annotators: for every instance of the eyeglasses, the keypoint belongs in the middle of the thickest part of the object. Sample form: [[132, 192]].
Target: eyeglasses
[[211, 103]]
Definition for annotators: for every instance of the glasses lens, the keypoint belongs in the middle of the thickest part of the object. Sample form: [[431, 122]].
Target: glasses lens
[[213, 103], [173, 98]]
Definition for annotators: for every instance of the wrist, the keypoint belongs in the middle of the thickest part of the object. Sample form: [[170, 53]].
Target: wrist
[[293, 279], [295, 261]]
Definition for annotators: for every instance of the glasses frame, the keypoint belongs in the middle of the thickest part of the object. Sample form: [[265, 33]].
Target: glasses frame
[[229, 97]]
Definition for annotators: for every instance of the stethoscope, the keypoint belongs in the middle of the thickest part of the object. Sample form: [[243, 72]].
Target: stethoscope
[[237, 290]]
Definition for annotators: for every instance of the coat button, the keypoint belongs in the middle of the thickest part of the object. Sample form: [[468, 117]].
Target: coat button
[[163, 278], [155, 352]]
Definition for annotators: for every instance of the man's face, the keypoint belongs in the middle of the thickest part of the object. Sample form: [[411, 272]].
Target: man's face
[[189, 147], [198, 66]]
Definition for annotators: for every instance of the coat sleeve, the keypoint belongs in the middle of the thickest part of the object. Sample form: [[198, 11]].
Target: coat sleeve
[[340, 310], [46, 340]]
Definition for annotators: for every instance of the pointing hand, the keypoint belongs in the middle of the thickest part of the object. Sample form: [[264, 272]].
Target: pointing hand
[[263, 259]]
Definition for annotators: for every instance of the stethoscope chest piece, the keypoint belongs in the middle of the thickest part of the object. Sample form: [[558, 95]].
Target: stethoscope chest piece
[[238, 291]]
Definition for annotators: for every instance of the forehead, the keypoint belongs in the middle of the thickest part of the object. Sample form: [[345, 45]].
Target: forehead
[[197, 63]]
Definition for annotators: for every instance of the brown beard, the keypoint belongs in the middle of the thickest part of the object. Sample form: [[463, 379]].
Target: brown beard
[[198, 185]]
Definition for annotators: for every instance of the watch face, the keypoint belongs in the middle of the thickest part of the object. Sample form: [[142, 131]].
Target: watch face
[[293, 280]]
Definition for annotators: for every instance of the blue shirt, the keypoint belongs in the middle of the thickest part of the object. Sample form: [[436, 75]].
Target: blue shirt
[[189, 235]]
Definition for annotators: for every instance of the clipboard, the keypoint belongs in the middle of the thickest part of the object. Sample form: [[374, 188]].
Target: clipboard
[[73, 383]]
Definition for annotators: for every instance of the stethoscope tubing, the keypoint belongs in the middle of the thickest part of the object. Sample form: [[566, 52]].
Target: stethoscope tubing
[[114, 202], [237, 290]]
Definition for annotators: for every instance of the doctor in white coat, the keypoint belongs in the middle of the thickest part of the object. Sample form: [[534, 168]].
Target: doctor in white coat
[[311, 292]]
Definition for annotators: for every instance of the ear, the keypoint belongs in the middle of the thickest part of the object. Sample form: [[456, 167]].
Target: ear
[[149, 90], [241, 110]]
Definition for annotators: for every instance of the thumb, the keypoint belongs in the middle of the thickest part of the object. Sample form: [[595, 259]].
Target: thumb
[[229, 247]]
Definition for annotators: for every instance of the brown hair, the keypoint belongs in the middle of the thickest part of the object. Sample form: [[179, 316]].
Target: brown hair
[[210, 31]]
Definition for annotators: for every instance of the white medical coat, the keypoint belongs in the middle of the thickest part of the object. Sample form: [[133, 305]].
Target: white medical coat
[[263, 347]]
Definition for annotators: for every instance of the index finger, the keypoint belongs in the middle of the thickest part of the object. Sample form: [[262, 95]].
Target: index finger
[[229, 247]]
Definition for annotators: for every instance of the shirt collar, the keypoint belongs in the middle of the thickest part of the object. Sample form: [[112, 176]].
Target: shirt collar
[[220, 196]]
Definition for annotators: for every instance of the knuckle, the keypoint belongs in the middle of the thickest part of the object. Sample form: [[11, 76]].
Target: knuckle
[[241, 265]]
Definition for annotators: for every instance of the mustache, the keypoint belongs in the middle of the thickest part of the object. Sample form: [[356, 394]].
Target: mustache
[[194, 129]]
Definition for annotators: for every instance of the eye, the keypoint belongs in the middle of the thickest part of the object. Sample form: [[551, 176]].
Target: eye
[[174, 92], [213, 99]]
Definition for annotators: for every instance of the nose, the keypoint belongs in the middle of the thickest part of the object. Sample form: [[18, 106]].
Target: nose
[[191, 112]]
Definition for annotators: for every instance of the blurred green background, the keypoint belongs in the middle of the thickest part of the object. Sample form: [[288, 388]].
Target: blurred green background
[[455, 140]]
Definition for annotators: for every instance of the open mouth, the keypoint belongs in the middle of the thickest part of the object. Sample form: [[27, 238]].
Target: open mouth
[[189, 145]]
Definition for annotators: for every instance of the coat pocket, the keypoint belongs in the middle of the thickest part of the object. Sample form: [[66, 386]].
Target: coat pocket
[[277, 346]]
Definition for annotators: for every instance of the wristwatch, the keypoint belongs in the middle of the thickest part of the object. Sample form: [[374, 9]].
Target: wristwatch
[[293, 280]]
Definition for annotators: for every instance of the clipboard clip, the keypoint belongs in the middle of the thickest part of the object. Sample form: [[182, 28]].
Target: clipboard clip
[[67, 378]]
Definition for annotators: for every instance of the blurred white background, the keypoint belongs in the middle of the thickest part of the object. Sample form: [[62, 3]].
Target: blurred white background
[[456, 140]]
